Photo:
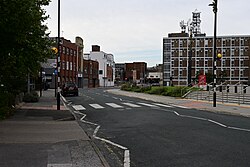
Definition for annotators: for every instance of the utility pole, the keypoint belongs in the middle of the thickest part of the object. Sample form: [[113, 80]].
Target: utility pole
[[215, 9]]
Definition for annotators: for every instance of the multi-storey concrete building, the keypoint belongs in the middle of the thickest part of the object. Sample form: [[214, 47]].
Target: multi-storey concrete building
[[233, 67]]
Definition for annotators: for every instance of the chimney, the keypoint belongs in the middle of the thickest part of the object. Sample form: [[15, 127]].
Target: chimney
[[95, 48]]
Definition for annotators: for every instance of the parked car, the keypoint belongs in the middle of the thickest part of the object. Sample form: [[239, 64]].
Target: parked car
[[69, 88]]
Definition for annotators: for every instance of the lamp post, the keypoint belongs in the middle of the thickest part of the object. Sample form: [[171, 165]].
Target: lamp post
[[215, 9], [58, 59]]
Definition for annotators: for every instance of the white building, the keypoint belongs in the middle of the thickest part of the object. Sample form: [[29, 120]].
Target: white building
[[106, 65]]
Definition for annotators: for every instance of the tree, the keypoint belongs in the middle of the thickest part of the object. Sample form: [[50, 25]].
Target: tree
[[24, 42]]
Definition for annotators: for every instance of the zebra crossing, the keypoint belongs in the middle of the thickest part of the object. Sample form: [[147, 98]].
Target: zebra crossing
[[120, 105]]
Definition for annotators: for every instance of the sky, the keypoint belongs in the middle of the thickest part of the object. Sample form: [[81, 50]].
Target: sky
[[133, 30]]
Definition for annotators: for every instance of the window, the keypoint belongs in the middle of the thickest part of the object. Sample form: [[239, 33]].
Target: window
[[223, 62], [181, 43], [206, 43], [232, 62], [224, 42], [233, 43], [71, 66], [197, 43], [67, 65], [180, 72], [206, 63], [71, 52], [242, 42], [63, 50], [232, 52], [180, 63], [241, 62], [181, 53], [206, 53], [67, 51], [232, 73], [241, 73], [63, 65], [241, 52]]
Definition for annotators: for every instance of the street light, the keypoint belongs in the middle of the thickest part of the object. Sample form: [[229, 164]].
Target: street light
[[215, 9]]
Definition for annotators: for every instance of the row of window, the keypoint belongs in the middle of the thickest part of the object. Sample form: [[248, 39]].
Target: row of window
[[67, 51], [69, 66], [199, 42], [233, 73]]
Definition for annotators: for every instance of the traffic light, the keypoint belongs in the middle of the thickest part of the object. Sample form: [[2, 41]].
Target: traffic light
[[219, 56], [54, 50]]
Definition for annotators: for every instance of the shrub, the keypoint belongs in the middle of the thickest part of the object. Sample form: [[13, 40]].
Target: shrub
[[31, 97], [5, 112], [156, 90]]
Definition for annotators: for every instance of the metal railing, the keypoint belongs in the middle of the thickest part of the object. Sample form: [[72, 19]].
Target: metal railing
[[226, 95]]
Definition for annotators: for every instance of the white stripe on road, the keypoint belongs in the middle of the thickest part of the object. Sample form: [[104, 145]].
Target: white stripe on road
[[162, 105], [180, 106], [132, 105], [78, 107], [148, 105], [114, 105], [96, 106]]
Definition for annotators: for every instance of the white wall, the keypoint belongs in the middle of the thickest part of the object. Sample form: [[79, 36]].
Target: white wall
[[103, 60]]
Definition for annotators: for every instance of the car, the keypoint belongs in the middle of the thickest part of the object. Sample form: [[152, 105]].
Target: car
[[69, 88]]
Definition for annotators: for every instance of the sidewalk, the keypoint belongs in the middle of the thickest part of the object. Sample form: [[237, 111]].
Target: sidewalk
[[39, 135], [227, 108]]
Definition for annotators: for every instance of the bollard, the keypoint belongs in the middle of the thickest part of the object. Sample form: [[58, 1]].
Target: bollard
[[244, 89], [227, 88], [207, 87], [58, 100], [220, 88], [235, 89]]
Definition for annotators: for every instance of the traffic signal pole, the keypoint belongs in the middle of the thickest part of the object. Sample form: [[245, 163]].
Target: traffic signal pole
[[58, 60], [215, 9]]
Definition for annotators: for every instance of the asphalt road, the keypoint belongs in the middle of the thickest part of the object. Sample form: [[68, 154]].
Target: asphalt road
[[158, 135]]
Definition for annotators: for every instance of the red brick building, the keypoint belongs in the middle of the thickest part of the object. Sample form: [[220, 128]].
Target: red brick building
[[135, 71], [90, 73], [68, 58]]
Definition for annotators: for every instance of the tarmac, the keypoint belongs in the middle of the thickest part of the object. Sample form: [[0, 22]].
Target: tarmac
[[40, 135], [226, 108]]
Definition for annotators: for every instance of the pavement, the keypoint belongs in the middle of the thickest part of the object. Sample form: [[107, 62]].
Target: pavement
[[226, 108], [40, 135]]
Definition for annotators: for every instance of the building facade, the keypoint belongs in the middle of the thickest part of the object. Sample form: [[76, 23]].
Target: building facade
[[136, 72], [119, 72], [233, 66], [106, 65], [90, 73]]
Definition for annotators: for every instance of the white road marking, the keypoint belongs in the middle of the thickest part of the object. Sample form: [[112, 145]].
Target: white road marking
[[180, 106], [148, 105], [132, 105], [162, 105], [78, 107], [114, 105], [126, 158], [96, 106]]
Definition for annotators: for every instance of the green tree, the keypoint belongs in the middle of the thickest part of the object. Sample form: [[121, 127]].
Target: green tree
[[24, 41]]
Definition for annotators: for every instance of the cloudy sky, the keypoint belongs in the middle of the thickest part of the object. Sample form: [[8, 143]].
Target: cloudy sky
[[132, 30]]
